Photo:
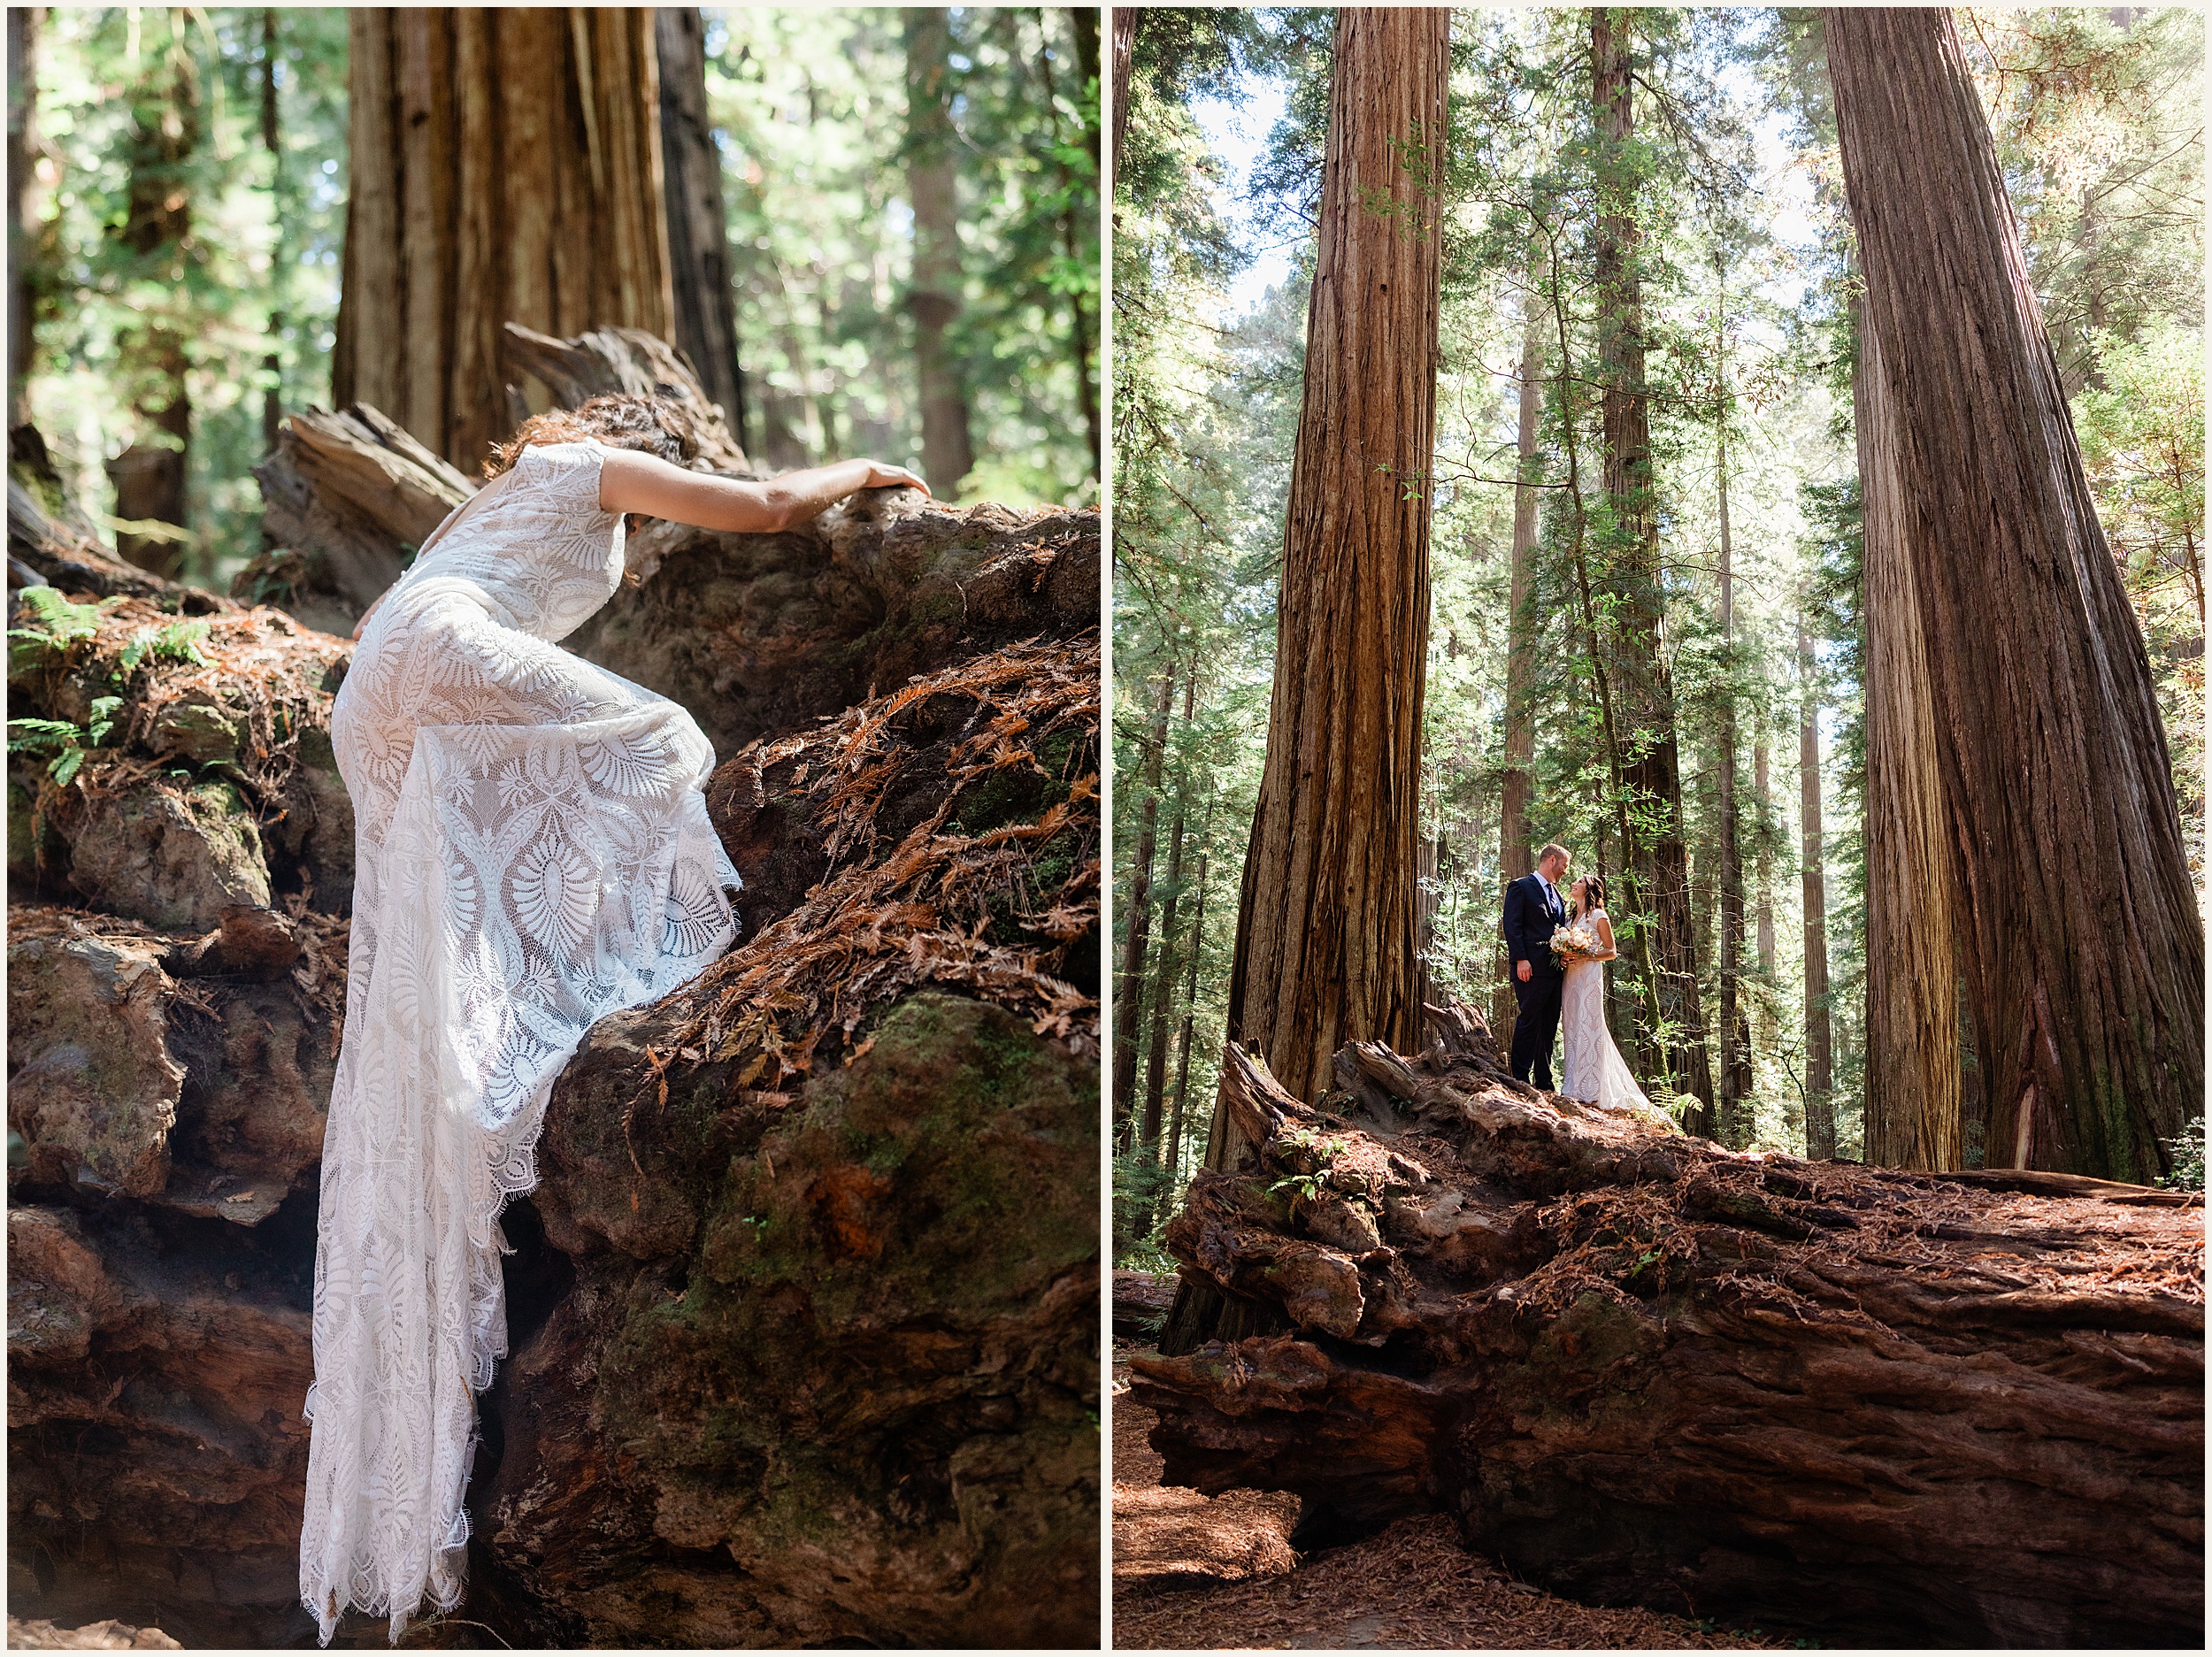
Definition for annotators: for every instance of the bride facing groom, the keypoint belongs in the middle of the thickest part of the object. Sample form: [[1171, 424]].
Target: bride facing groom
[[1555, 944]]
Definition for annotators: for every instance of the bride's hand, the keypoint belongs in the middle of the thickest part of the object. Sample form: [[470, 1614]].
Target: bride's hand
[[884, 476]]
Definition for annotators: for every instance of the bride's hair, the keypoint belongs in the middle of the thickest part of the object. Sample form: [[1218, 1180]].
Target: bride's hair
[[1593, 894], [624, 419]]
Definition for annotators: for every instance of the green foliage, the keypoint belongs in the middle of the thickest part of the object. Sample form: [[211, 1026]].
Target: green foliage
[[61, 743], [256, 277], [2187, 1150], [54, 624], [810, 103], [178, 643]]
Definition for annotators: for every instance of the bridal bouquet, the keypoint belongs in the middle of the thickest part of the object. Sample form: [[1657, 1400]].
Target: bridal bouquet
[[1571, 944]]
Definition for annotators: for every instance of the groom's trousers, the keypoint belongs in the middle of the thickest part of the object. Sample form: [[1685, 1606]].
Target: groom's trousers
[[1536, 1028]]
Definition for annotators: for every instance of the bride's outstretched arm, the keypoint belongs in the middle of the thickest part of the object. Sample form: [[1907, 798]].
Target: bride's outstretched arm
[[632, 482]]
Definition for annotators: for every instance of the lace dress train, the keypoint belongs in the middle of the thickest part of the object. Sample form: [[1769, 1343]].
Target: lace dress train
[[1595, 1072], [533, 853]]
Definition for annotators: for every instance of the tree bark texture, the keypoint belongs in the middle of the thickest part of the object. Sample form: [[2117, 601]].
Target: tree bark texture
[[934, 298], [1820, 1104], [1912, 1114], [1643, 687], [776, 1160], [2083, 947], [1875, 1409], [1515, 854], [1129, 981], [505, 166], [705, 317], [1173, 1158]]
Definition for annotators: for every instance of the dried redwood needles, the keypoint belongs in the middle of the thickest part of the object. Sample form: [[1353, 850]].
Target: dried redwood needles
[[991, 888]]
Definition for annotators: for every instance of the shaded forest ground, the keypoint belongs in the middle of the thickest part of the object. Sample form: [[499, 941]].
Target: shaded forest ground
[[1193, 1572]]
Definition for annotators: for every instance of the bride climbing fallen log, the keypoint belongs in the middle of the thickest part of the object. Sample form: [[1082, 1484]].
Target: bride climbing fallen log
[[1865, 1406]]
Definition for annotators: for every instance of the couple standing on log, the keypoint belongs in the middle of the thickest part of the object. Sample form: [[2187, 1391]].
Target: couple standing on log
[[1556, 945]]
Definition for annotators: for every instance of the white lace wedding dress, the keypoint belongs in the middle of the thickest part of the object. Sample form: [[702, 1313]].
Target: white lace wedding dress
[[1595, 1070], [532, 854]]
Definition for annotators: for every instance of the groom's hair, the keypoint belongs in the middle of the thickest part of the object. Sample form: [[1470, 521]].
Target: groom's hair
[[1554, 849]]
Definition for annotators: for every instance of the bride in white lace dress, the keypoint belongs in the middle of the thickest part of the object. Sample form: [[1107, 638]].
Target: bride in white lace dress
[[533, 853], [1595, 1070]]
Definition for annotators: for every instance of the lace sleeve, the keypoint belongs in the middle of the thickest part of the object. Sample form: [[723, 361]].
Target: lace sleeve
[[567, 473]]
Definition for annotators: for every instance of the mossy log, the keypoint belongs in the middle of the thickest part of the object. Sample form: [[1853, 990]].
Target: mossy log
[[804, 1307], [1864, 1405]]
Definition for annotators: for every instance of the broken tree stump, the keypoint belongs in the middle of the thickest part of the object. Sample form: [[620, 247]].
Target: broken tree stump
[[1871, 1406]]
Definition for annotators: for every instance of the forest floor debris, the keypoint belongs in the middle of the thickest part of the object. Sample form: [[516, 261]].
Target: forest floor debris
[[1193, 1573]]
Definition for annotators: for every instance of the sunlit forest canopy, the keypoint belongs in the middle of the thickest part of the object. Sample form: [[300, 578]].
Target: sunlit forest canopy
[[181, 212], [1749, 298]]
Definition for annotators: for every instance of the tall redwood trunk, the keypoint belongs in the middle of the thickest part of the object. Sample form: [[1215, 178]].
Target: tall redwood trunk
[[933, 178], [1643, 689], [698, 229], [2083, 946], [271, 136], [1820, 1104], [505, 166], [1912, 966], [1324, 950], [1516, 856], [1129, 983]]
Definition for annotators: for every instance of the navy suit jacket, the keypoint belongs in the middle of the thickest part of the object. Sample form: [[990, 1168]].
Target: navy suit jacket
[[1528, 925]]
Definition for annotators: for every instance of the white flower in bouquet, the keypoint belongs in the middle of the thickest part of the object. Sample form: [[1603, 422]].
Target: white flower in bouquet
[[1573, 943]]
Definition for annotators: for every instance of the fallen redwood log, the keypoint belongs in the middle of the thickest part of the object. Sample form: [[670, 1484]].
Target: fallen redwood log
[[1871, 1406]]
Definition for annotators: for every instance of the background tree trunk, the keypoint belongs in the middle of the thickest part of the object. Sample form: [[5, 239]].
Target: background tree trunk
[[933, 184], [23, 27], [1173, 1158], [271, 136], [1515, 854], [506, 167], [1325, 942], [1129, 982], [1735, 1024], [1761, 785], [705, 303], [1912, 968], [151, 476], [1643, 686], [1820, 1105], [1124, 43], [2084, 951], [1163, 992]]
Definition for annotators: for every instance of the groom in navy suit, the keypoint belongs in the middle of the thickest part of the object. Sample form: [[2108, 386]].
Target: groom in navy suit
[[1534, 909]]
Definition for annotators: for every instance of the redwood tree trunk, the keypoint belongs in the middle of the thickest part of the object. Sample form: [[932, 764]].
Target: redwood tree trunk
[[1516, 856], [1912, 968], [1173, 1159], [1820, 1104], [506, 168], [1643, 687], [1129, 983], [2084, 951], [698, 231], [932, 177], [1324, 947]]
